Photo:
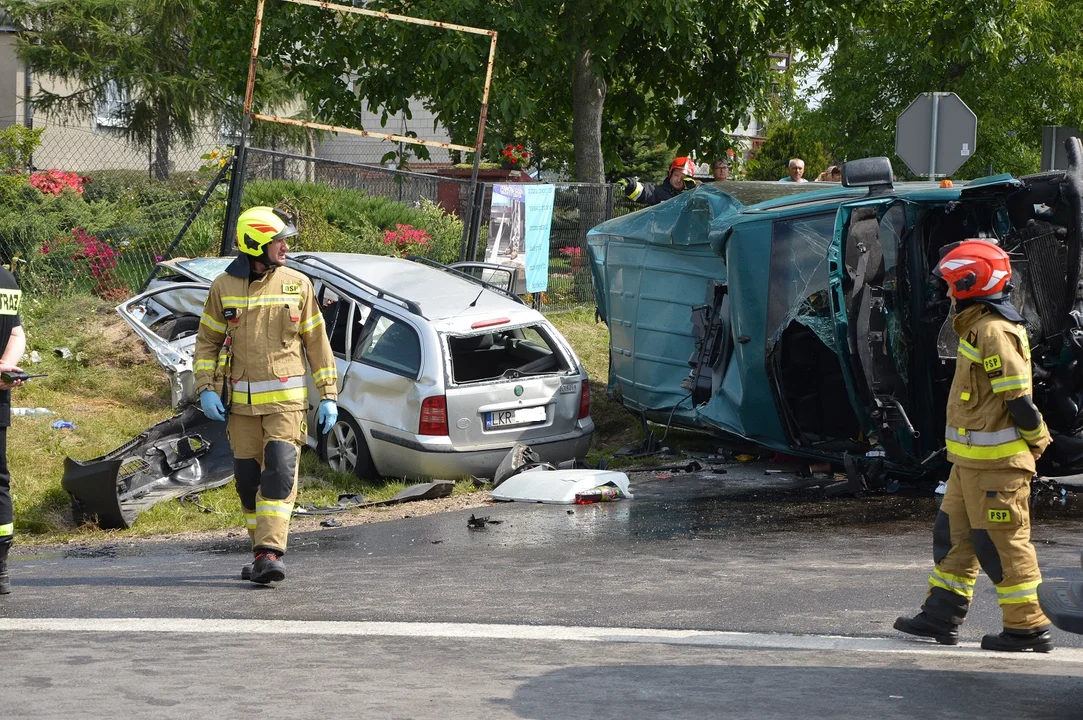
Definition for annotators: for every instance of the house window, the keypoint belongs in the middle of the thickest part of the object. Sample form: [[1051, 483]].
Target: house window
[[109, 113]]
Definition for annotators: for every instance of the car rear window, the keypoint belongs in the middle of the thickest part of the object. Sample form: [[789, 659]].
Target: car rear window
[[504, 353]]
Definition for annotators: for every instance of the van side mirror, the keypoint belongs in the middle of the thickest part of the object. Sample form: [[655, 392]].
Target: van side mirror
[[874, 172]]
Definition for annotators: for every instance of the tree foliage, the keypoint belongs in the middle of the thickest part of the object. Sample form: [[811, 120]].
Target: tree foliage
[[786, 140], [1018, 64], [681, 71], [161, 66]]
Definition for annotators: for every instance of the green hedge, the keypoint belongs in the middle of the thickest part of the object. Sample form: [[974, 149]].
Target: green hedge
[[107, 238]]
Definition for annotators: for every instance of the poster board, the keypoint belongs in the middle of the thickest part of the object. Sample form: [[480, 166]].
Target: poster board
[[520, 220]]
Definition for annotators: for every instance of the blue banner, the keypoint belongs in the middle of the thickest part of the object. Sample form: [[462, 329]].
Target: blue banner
[[520, 219]]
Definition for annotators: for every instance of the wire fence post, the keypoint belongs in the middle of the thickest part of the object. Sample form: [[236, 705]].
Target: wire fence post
[[233, 199], [478, 207]]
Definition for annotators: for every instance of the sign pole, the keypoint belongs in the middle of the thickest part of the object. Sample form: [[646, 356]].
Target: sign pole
[[932, 145]]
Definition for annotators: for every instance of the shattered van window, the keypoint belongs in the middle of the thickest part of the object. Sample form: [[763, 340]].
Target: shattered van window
[[798, 282]]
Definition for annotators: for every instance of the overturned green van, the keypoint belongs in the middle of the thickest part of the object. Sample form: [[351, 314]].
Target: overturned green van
[[812, 324]]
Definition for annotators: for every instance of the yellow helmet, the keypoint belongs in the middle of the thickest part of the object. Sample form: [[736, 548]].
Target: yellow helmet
[[258, 226]]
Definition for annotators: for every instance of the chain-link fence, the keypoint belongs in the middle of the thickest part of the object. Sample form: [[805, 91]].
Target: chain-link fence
[[88, 215]]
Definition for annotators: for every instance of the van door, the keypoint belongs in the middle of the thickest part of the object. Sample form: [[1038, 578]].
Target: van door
[[873, 332]]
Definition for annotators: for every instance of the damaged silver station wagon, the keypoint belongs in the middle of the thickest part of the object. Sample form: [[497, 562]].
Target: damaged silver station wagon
[[440, 373]]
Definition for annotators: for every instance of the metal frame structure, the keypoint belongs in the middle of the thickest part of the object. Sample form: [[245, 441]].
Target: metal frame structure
[[235, 188]]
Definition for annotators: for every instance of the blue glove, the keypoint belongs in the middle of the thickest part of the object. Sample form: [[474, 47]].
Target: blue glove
[[327, 415], [212, 405]]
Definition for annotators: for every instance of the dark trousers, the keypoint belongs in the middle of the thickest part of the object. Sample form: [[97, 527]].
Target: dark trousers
[[6, 516]]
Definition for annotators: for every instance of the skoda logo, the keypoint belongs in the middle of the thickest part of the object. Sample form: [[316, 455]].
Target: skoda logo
[[518, 390]]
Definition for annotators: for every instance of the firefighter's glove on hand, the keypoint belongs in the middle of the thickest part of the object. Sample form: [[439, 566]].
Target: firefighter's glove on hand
[[327, 416], [212, 405], [690, 183]]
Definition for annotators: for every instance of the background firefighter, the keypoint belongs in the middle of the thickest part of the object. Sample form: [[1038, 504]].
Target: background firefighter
[[12, 346], [680, 178], [994, 435], [259, 323]]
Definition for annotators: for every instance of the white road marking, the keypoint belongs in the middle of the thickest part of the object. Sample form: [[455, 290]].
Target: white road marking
[[539, 633]]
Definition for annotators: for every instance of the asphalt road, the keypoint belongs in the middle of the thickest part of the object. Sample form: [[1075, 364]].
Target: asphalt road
[[698, 599]]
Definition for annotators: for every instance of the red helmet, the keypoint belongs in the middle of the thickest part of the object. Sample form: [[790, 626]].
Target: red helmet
[[974, 269], [684, 163]]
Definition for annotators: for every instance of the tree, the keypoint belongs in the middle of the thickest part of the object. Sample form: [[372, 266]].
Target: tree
[[786, 140], [679, 70], [1018, 65], [158, 64], [133, 55]]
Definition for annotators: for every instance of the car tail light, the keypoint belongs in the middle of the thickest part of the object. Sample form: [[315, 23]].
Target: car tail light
[[433, 416], [584, 400]]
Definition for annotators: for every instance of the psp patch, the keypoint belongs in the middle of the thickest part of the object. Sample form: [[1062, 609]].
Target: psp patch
[[291, 288], [1000, 516], [992, 363]]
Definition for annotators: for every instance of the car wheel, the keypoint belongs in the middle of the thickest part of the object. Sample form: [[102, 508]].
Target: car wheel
[[183, 327], [345, 449]]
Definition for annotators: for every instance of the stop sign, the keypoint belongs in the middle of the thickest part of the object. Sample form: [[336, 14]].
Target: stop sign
[[936, 134]]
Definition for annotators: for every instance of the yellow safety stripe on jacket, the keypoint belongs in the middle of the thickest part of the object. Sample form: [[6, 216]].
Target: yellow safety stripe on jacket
[[1033, 434], [201, 365], [1012, 382], [274, 508], [977, 445], [242, 301], [7, 529], [637, 192], [243, 386], [953, 583], [250, 521], [996, 452], [1017, 594], [213, 324], [277, 396], [223, 359], [312, 323], [327, 373], [969, 351]]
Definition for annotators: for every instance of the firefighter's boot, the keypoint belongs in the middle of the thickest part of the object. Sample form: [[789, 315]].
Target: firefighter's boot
[[925, 625], [268, 567], [1011, 640], [5, 579]]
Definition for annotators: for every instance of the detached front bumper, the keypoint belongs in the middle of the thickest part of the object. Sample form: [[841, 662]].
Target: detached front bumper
[[176, 456]]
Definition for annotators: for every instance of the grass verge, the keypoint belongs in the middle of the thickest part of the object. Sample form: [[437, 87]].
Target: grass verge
[[112, 390]]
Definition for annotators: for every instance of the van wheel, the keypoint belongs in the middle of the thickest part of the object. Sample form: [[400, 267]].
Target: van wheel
[[345, 449]]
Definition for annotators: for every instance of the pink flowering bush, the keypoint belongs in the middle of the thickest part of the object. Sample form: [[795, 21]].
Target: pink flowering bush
[[407, 240], [54, 182], [574, 255], [89, 258]]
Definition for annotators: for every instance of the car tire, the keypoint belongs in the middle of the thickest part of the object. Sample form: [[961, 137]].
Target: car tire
[[183, 326], [345, 449]]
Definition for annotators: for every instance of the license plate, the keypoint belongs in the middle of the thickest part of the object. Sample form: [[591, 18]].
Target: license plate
[[522, 416]]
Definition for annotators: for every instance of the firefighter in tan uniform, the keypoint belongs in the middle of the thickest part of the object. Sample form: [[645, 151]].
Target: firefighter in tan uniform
[[259, 324], [994, 435]]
